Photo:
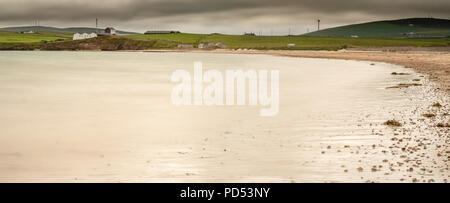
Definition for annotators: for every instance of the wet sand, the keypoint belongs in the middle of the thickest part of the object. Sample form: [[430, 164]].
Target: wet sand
[[107, 117]]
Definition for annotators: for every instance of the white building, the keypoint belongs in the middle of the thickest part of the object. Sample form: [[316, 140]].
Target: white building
[[27, 32], [78, 36]]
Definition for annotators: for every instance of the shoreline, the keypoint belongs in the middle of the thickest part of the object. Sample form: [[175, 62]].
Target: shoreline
[[434, 64], [407, 149]]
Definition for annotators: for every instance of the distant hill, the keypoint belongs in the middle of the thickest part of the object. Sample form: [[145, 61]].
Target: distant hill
[[411, 27], [61, 30]]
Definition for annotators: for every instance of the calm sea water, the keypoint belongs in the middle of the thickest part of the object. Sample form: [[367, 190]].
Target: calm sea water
[[108, 117]]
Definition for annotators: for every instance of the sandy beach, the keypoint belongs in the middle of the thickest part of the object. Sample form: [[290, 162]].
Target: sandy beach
[[406, 151], [106, 117]]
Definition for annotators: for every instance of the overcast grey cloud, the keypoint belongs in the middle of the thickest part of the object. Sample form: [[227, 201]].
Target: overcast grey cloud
[[206, 16]]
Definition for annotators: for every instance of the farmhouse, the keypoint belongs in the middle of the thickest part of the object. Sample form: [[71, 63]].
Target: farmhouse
[[78, 36], [161, 32], [110, 31]]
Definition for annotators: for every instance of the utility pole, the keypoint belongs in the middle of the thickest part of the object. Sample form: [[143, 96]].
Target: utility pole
[[96, 25], [289, 36], [318, 24]]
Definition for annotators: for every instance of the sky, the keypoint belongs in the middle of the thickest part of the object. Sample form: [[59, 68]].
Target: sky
[[267, 17]]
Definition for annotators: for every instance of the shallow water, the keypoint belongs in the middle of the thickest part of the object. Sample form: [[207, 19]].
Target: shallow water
[[108, 117]]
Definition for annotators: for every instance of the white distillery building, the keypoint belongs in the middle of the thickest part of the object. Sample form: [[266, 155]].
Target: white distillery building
[[78, 36]]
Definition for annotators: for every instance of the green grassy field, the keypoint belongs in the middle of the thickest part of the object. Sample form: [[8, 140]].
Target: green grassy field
[[13, 40], [422, 27], [185, 38], [301, 42], [13, 37], [35, 41]]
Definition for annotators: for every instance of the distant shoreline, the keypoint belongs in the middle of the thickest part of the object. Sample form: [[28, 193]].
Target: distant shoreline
[[433, 62]]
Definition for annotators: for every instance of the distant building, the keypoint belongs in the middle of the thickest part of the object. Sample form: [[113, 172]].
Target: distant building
[[410, 34], [249, 34], [110, 31], [210, 45], [161, 32], [206, 45], [78, 36], [27, 32], [354, 36], [291, 45]]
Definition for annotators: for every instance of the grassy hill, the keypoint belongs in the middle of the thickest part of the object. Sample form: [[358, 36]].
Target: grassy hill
[[14, 40], [61, 30], [13, 37], [421, 27]]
